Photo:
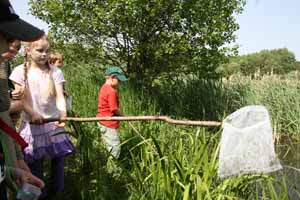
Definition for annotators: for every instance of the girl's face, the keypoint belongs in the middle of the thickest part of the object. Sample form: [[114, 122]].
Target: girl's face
[[39, 51], [58, 63]]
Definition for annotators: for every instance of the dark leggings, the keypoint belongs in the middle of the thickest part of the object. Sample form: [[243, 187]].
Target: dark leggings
[[57, 173]]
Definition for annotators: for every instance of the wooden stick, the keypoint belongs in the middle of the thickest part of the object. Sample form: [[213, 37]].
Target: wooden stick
[[136, 118]]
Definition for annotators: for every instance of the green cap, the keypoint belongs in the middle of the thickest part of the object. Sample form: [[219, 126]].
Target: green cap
[[117, 71]]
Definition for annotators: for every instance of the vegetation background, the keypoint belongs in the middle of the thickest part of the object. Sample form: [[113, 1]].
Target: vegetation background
[[178, 57]]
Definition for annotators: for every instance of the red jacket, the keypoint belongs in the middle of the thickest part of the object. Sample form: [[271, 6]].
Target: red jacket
[[108, 103]]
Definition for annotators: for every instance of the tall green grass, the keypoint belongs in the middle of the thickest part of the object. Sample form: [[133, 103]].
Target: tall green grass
[[280, 95], [186, 162], [215, 99]]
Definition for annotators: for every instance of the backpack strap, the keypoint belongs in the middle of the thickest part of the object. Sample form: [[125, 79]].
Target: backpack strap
[[13, 134]]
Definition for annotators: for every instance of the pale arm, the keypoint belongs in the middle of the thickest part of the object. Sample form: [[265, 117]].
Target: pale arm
[[60, 100], [23, 176], [35, 117]]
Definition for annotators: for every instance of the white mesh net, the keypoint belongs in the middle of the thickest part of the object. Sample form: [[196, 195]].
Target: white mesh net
[[247, 144]]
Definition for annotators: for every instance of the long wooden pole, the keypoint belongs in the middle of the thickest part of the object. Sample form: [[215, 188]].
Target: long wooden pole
[[136, 118]]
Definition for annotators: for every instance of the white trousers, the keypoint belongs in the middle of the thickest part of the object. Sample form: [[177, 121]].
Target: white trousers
[[111, 140]]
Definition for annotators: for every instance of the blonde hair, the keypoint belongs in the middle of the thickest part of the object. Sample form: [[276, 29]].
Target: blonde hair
[[54, 57], [51, 91]]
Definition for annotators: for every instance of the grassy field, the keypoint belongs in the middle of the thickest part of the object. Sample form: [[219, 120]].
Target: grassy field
[[173, 162]]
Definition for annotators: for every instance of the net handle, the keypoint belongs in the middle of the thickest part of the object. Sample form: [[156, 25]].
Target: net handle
[[136, 118]]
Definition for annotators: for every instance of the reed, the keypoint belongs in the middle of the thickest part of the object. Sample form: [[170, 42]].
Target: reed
[[185, 161]]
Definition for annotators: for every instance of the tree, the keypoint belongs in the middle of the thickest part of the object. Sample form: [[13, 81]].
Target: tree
[[275, 61], [147, 37]]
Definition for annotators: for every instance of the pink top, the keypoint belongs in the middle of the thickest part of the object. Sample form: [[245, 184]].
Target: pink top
[[37, 89]]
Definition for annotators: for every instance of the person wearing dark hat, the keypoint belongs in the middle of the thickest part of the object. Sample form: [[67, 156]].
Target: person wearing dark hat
[[108, 106], [11, 28], [16, 104]]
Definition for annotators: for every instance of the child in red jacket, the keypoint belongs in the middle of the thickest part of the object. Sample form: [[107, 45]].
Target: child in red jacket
[[108, 106]]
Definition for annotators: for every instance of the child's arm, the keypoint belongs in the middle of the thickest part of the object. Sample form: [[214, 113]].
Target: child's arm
[[22, 165], [66, 94], [20, 158], [35, 117], [15, 106], [113, 103], [60, 101], [17, 97], [23, 176]]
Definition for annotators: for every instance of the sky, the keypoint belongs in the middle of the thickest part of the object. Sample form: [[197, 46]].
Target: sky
[[269, 24], [264, 24]]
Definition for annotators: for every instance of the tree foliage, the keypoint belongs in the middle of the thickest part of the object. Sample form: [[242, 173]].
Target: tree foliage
[[147, 37], [275, 61]]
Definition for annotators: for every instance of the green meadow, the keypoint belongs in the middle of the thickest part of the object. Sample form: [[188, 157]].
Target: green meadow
[[177, 162]]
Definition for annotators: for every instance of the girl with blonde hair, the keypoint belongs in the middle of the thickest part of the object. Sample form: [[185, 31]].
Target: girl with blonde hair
[[56, 59], [43, 88]]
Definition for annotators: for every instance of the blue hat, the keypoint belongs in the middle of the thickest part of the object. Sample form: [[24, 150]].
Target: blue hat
[[117, 71]]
